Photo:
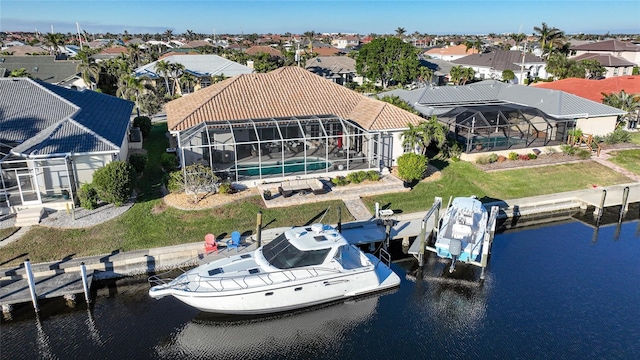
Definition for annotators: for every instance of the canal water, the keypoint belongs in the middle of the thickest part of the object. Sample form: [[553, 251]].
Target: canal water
[[562, 291]]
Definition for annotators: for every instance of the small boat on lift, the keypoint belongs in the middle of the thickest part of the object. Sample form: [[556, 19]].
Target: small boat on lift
[[462, 231], [302, 267]]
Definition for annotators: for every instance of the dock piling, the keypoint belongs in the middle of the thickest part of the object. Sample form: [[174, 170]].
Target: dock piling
[[340, 219], [600, 210], [624, 206], [85, 283], [259, 228], [32, 285]]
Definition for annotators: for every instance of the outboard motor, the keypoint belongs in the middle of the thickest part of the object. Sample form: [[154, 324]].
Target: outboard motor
[[455, 249]]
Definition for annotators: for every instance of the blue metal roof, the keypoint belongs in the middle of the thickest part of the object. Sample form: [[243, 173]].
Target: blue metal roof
[[57, 120]]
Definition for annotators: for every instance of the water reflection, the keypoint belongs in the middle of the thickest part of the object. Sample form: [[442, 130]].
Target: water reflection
[[457, 300], [284, 336]]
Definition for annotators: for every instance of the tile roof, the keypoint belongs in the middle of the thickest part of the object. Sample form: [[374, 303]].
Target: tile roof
[[58, 120], [499, 59], [438, 100], [593, 89], [200, 65], [608, 45], [330, 65], [606, 60], [284, 92], [263, 49]]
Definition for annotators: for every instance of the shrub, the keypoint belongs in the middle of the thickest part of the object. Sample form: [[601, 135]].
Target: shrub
[[115, 182], [493, 158], [199, 179], [568, 149], [583, 154], [175, 181], [144, 123], [482, 159], [617, 136], [523, 157], [411, 166], [373, 175], [138, 161], [88, 196], [226, 188], [502, 158], [340, 181], [533, 156], [550, 151], [357, 177], [513, 156], [169, 162]]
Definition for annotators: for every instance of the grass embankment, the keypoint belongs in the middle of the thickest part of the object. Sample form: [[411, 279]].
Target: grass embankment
[[146, 225], [628, 159], [464, 179]]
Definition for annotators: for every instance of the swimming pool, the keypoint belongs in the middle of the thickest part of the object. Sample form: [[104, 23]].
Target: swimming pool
[[278, 167]]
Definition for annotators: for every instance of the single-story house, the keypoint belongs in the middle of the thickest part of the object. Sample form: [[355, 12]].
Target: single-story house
[[616, 48], [52, 139], [491, 65], [47, 69], [284, 124], [339, 69], [615, 65], [203, 67], [491, 116]]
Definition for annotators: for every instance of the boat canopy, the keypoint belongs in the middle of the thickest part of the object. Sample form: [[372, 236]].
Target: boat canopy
[[282, 254]]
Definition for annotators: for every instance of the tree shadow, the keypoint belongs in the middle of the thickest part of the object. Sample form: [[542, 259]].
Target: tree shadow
[[318, 216], [23, 255]]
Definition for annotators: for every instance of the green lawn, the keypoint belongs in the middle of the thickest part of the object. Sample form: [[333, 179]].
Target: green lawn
[[464, 179], [148, 224], [635, 137], [628, 159]]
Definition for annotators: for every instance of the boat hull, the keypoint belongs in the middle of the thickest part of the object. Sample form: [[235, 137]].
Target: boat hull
[[290, 295]]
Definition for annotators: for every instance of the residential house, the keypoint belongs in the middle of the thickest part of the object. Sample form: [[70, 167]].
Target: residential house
[[620, 52], [25, 50], [269, 50], [441, 70], [614, 65], [203, 67], [47, 69], [284, 124], [52, 139], [346, 42], [450, 53], [339, 69], [492, 116], [594, 90], [491, 65]]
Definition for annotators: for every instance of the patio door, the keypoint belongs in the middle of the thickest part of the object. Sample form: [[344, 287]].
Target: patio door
[[28, 186]]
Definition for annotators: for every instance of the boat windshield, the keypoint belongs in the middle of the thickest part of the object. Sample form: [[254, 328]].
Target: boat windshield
[[283, 255]]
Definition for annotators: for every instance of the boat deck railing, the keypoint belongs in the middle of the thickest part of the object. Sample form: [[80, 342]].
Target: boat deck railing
[[195, 282]]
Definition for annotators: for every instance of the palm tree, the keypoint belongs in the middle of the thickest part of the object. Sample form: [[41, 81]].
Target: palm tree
[[131, 88], [22, 72], [424, 134], [175, 72], [190, 35], [425, 75], [310, 35], [518, 38], [400, 31], [54, 41], [168, 34], [163, 68], [188, 80], [88, 69], [474, 44], [549, 35], [623, 101]]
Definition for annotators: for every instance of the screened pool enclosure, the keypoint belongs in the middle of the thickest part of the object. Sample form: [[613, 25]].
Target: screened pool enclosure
[[256, 149], [483, 128]]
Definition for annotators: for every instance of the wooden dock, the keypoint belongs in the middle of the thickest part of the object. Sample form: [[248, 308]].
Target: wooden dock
[[58, 285]]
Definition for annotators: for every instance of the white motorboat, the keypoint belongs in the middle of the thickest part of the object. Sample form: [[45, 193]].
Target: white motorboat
[[462, 231], [302, 267]]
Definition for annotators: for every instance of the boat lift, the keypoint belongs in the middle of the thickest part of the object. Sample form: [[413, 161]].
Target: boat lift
[[430, 227]]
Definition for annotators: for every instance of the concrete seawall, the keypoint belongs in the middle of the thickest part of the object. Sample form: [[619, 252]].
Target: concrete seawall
[[156, 260]]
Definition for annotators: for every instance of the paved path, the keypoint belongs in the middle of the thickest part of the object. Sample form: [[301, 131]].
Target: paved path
[[356, 208]]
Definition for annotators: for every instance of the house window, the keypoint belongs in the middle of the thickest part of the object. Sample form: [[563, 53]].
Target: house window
[[625, 71], [615, 71], [407, 148]]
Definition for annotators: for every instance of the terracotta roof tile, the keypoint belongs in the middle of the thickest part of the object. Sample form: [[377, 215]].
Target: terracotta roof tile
[[593, 89], [288, 91]]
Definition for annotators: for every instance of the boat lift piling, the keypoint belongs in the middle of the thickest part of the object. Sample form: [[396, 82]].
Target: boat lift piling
[[490, 232], [435, 210], [32, 285], [600, 210], [259, 229]]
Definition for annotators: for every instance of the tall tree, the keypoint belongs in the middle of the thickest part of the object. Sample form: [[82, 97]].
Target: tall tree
[[549, 35], [623, 101], [424, 134], [54, 41], [168, 34], [518, 38], [475, 43], [310, 36], [163, 68], [388, 59], [400, 31], [88, 69]]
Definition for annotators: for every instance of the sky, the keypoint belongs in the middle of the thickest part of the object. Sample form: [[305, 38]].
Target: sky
[[363, 17]]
